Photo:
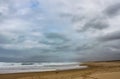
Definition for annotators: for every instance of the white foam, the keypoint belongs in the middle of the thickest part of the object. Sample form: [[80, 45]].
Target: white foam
[[37, 67]]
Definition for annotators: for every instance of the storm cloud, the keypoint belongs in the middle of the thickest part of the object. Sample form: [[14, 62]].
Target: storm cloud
[[111, 36], [59, 30], [113, 10]]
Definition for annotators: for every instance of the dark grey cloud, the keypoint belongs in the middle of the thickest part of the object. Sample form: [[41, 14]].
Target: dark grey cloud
[[96, 23], [50, 58], [55, 38], [73, 18], [102, 52], [65, 15], [110, 37], [10, 53], [113, 10], [3, 39], [77, 18], [115, 45], [9, 59], [84, 47], [57, 42]]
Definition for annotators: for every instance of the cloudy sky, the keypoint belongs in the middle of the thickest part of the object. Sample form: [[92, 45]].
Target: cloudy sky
[[59, 30]]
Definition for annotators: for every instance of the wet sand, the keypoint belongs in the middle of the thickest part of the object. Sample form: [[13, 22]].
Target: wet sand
[[95, 70]]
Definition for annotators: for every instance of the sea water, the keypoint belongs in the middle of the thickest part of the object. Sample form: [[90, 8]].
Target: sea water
[[19, 67]]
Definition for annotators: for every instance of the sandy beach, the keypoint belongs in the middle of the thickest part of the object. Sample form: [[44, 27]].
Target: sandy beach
[[95, 70]]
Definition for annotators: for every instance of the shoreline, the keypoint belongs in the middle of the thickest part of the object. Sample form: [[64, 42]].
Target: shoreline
[[54, 70], [8, 68], [93, 69]]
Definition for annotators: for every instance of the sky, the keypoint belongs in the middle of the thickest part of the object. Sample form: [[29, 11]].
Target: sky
[[59, 30]]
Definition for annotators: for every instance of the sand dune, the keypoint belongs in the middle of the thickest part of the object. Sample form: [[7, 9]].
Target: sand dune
[[95, 70]]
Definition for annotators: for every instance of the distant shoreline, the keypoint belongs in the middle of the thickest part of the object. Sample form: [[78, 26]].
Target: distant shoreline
[[99, 70], [6, 68]]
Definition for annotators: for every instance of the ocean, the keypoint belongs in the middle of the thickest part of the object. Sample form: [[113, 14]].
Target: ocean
[[19, 67]]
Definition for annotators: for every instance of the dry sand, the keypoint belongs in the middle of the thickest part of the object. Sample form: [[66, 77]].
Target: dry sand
[[95, 70]]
